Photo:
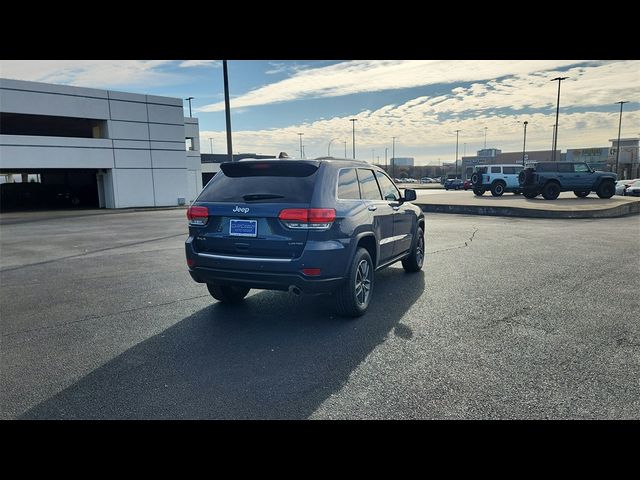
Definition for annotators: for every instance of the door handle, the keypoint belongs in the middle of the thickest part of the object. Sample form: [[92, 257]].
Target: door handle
[[372, 208]]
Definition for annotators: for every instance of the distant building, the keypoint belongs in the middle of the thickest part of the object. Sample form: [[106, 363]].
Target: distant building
[[628, 161], [402, 161], [211, 162], [596, 157], [489, 152]]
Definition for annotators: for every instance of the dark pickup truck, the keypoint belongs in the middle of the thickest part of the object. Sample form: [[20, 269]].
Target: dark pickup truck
[[551, 178]]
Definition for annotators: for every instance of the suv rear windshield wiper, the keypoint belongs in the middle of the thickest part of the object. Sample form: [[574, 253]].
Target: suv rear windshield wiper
[[260, 196]]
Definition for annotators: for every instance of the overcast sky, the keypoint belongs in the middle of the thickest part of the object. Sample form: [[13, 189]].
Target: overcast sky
[[421, 102]]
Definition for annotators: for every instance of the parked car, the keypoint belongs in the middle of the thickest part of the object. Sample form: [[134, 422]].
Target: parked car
[[621, 185], [467, 184], [453, 184], [304, 226], [633, 189], [496, 178], [551, 178], [427, 180]]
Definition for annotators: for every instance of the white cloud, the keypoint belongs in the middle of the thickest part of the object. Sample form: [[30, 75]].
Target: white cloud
[[200, 63], [426, 138], [376, 75], [92, 73]]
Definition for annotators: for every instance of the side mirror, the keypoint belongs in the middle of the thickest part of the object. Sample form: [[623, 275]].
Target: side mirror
[[409, 195]]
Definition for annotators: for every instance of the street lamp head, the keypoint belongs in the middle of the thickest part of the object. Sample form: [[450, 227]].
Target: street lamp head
[[558, 78], [526, 122]]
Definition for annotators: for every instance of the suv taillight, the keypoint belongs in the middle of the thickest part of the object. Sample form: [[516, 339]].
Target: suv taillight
[[308, 218], [198, 216]]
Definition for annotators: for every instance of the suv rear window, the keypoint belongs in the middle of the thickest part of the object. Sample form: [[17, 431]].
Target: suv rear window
[[265, 182], [348, 188]]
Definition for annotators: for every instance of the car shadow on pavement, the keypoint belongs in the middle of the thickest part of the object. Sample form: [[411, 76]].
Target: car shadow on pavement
[[276, 356]]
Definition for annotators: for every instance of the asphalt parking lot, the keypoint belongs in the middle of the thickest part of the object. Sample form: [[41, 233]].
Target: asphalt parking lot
[[511, 318]]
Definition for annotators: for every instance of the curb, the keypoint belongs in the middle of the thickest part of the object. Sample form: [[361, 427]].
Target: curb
[[617, 211]]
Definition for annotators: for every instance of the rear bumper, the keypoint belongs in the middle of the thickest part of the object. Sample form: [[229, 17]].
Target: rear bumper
[[264, 280], [274, 274]]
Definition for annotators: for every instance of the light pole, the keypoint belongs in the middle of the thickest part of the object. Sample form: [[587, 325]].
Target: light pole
[[485, 137], [385, 159], [329, 147], [211, 143], [555, 137], [457, 132], [393, 158], [189, 100], [619, 129], [345, 148], [353, 122], [524, 143], [227, 109], [301, 154]]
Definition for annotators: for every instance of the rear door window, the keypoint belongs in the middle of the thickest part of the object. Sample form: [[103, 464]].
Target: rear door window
[[495, 169], [565, 167], [264, 182], [348, 187], [368, 185]]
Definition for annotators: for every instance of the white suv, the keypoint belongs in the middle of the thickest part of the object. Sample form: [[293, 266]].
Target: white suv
[[497, 178]]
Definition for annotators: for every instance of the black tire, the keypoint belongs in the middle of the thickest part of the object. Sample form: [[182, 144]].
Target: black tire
[[551, 191], [227, 293], [352, 301], [479, 191], [530, 193], [415, 260], [497, 189], [522, 177], [581, 193], [606, 190]]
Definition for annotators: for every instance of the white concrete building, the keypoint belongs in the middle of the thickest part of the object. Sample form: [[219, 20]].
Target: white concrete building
[[139, 150]]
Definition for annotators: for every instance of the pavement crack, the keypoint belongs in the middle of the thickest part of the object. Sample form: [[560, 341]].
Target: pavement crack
[[97, 317], [466, 244]]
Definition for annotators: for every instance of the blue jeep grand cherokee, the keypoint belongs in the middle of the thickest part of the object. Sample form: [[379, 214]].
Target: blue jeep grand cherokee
[[306, 226]]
